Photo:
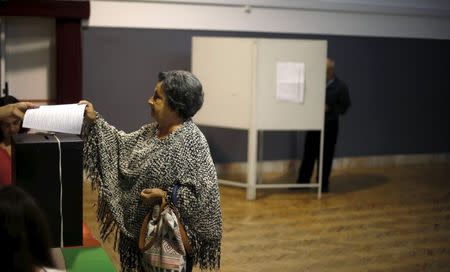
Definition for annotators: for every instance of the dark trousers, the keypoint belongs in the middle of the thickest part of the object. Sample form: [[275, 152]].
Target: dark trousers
[[312, 150]]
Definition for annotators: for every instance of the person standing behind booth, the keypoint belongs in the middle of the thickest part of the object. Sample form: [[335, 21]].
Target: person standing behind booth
[[8, 127], [337, 102]]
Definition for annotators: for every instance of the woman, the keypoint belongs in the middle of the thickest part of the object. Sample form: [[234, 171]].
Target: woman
[[145, 165], [24, 234], [8, 127]]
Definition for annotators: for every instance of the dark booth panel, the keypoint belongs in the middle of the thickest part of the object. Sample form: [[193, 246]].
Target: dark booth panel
[[36, 170]]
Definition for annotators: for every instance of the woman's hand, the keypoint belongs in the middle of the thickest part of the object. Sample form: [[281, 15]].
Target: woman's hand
[[154, 194], [17, 109], [89, 112]]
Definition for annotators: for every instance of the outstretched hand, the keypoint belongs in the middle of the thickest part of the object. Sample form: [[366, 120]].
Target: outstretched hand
[[15, 110], [89, 112]]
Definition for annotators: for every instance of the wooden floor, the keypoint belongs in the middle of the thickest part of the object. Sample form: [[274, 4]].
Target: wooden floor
[[389, 219]]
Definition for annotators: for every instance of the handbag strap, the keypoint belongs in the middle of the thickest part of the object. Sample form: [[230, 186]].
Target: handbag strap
[[142, 246], [143, 232], [184, 237], [144, 228]]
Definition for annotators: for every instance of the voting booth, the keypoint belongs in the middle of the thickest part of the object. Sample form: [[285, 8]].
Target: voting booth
[[261, 85], [49, 168]]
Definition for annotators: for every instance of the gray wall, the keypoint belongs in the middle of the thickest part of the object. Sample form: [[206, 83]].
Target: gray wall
[[400, 90]]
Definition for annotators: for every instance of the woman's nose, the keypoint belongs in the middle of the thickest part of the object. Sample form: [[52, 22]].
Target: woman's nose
[[150, 100]]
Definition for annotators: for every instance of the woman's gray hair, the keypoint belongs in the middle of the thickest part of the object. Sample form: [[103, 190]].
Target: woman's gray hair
[[184, 92]]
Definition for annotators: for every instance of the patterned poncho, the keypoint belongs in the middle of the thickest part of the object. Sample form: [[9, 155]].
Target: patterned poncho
[[121, 165]]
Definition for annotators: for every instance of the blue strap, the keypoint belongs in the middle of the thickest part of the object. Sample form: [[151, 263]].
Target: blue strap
[[174, 193]]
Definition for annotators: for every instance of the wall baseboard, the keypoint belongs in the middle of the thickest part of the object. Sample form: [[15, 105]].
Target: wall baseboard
[[290, 167]]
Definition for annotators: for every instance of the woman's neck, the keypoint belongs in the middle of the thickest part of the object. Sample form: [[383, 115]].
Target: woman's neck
[[6, 141], [6, 145], [165, 130]]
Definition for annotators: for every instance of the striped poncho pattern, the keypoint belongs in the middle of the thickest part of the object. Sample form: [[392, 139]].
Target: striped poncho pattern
[[122, 164]]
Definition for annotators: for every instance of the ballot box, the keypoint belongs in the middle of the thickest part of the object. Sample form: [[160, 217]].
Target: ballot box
[[51, 171]]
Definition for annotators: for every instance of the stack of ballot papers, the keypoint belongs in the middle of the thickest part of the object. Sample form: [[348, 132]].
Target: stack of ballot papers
[[67, 118]]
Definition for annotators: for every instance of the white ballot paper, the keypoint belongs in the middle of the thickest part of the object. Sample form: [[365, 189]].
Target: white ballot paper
[[67, 118]]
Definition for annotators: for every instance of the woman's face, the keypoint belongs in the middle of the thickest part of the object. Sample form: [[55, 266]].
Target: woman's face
[[10, 126], [160, 108]]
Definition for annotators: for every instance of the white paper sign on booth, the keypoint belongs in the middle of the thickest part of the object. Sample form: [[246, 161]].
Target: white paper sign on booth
[[290, 81]]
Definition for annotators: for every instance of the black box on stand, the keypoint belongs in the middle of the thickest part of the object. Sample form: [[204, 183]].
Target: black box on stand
[[36, 168]]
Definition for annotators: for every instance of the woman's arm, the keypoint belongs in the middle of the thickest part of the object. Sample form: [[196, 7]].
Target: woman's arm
[[104, 145], [16, 109]]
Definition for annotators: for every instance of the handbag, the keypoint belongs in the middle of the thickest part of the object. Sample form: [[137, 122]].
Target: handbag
[[163, 240]]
